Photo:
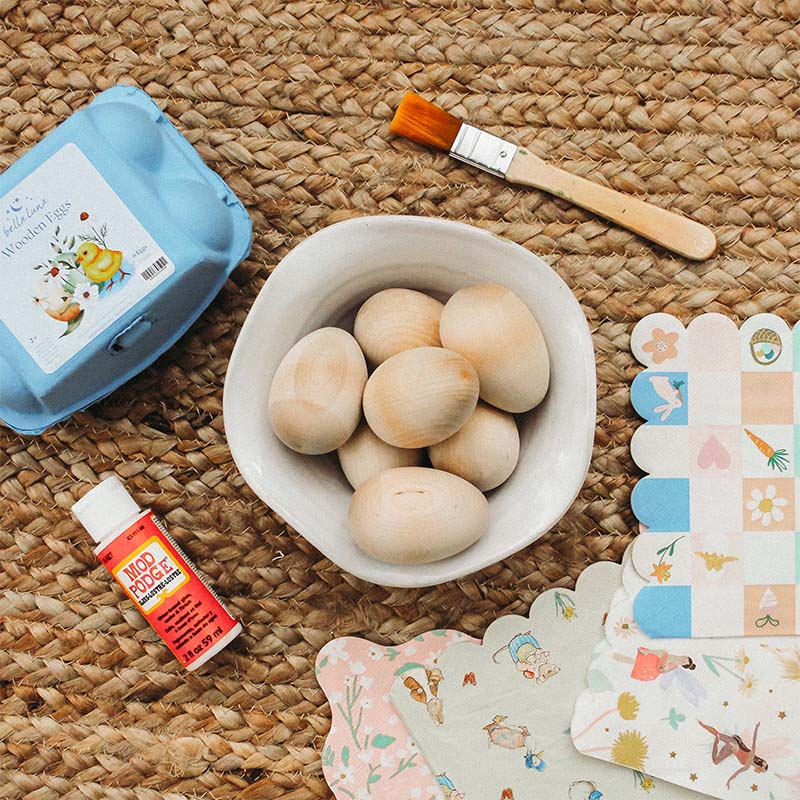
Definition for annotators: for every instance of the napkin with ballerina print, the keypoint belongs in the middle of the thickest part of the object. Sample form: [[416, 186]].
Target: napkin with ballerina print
[[719, 551], [718, 716], [492, 720]]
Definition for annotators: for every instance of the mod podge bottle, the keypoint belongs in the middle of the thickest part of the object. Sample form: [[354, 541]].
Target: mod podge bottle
[[134, 546]]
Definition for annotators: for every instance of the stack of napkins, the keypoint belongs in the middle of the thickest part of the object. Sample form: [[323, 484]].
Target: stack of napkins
[[715, 570], [719, 716], [502, 729], [677, 673], [446, 716]]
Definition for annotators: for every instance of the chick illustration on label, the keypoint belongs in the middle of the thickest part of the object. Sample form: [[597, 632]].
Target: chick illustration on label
[[83, 269], [99, 264]]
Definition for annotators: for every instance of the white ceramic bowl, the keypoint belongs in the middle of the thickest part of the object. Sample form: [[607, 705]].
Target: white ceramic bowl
[[322, 282]]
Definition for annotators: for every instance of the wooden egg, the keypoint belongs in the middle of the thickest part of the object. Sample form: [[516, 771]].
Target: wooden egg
[[494, 330], [364, 455], [315, 397], [395, 320], [415, 515], [484, 451], [420, 397]]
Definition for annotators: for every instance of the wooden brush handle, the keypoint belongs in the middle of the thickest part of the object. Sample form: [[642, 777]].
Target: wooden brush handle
[[670, 230]]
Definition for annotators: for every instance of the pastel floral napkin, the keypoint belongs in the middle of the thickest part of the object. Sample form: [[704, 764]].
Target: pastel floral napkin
[[369, 754], [720, 553]]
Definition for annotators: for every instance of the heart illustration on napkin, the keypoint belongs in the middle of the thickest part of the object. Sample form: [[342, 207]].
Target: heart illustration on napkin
[[713, 454]]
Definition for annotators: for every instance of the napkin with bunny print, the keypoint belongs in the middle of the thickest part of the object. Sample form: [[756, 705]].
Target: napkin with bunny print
[[493, 719]]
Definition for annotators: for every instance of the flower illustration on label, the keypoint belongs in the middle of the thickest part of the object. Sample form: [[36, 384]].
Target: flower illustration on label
[[86, 295], [83, 269]]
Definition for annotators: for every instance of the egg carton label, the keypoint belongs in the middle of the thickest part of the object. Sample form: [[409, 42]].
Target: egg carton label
[[150, 575], [73, 258]]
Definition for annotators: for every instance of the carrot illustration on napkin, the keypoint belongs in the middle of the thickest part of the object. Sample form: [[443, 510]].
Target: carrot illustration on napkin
[[776, 459]]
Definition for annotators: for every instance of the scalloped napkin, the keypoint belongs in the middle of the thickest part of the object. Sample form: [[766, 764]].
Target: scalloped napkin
[[369, 753], [493, 720], [686, 710], [720, 552]]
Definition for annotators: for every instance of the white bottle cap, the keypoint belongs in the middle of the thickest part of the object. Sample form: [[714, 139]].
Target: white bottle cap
[[105, 508]]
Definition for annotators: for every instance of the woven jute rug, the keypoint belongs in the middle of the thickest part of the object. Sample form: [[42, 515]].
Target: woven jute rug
[[691, 104]]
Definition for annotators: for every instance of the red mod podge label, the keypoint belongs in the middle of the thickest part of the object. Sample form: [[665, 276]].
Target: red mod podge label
[[150, 575], [174, 599]]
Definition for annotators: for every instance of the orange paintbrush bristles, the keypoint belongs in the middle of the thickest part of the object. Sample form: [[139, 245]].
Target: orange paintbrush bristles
[[425, 123]]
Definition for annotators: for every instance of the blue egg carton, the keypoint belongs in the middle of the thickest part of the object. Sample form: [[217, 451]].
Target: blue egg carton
[[114, 237]]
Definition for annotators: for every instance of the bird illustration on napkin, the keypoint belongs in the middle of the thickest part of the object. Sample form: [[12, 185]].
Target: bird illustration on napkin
[[668, 391]]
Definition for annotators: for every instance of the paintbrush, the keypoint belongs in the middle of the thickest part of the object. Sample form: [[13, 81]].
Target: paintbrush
[[426, 123]]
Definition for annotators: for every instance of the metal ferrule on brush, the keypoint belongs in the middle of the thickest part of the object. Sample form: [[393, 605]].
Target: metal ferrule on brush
[[483, 150]]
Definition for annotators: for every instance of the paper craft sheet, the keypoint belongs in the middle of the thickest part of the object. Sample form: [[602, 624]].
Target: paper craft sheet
[[493, 720], [369, 753], [720, 551], [686, 710]]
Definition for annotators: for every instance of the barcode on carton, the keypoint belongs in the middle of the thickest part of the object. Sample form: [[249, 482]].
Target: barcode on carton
[[157, 266]]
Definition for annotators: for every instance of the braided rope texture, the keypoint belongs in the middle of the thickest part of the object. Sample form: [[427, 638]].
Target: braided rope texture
[[691, 104]]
